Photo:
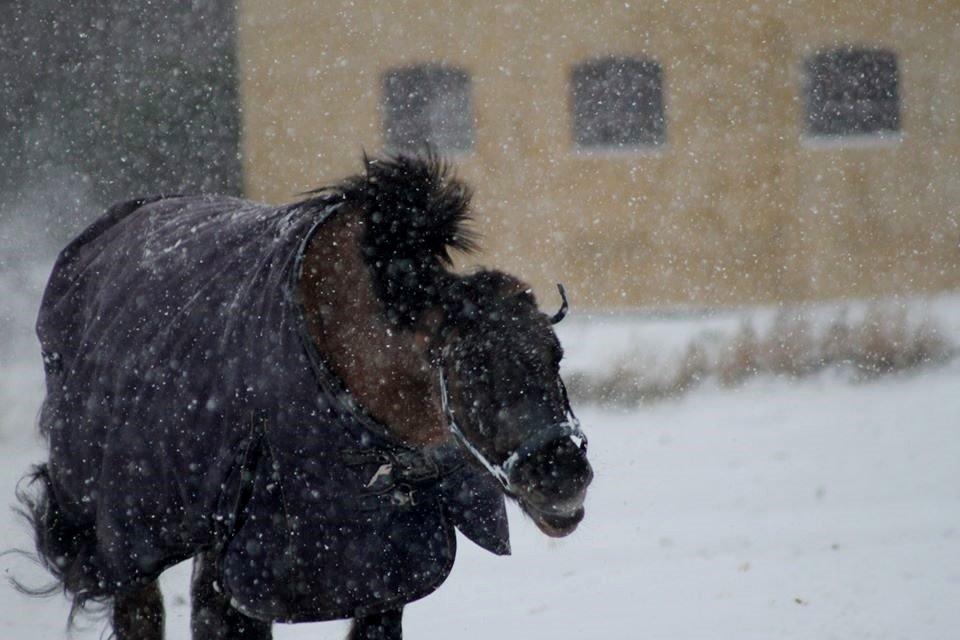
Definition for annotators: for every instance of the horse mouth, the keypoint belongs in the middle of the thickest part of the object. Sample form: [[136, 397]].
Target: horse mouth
[[555, 523]]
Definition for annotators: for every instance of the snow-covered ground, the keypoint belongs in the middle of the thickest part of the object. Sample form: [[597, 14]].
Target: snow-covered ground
[[809, 509], [598, 342]]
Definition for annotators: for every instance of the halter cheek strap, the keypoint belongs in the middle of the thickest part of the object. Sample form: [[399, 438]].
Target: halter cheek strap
[[503, 471]]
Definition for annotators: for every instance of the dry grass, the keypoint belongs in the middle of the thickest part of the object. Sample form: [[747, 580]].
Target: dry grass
[[878, 342]]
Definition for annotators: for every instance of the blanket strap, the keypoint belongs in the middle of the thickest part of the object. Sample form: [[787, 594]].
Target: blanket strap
[[399, 475], [230, 517]]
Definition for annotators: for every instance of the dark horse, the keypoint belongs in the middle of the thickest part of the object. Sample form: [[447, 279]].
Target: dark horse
[[304, 399]]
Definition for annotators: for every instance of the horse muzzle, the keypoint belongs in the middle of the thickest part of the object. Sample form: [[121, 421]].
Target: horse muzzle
[[551, 486]]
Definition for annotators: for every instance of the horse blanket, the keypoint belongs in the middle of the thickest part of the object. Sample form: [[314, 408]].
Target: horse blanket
[[187, 409]]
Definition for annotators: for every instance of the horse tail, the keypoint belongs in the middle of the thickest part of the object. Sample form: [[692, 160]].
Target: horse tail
[[64, 547]]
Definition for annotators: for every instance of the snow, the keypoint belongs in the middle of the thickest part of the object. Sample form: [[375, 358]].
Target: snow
[[597, 342], [818, 508], [783, 509]]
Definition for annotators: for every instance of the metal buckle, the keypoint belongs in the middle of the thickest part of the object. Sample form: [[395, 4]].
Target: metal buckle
[[52, 362], [395, 476], [400, 495], [411, 466], [404, 496]]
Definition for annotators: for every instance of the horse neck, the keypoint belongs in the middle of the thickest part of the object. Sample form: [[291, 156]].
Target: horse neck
[[381, 366]]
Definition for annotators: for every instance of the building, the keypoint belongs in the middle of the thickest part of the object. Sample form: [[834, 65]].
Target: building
[[679, 153], [106, 101]]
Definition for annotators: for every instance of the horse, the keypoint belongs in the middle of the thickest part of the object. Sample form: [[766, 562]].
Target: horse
[[305, 399]]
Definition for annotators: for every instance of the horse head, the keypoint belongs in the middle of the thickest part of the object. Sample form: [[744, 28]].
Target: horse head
[[487, 354], [498, 362]]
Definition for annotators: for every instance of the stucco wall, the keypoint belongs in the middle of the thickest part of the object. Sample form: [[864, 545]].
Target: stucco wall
[[738, 205]]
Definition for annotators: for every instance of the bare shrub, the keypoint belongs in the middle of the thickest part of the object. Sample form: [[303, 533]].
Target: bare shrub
[[623, 386], [740, 359], [789, 348], [928, 345], [885, 342], [631, 381], [835, 344], [580, 387], [694, 368], [882, 341]]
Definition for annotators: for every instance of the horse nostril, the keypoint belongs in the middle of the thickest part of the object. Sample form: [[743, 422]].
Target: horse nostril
[[580, 474], [559, 471], [587, 476]]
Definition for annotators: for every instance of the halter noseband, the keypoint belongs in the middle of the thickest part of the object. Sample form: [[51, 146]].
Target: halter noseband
[[502, 471]]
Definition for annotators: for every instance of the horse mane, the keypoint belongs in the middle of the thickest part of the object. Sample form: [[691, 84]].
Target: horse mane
[[416, 211], [382, 262]]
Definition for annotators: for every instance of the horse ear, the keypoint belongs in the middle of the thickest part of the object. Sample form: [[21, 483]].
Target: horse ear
[[562, 313]]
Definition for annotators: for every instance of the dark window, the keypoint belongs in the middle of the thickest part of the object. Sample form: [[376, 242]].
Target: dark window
[[618, 102], [852, 91], [428, 105]]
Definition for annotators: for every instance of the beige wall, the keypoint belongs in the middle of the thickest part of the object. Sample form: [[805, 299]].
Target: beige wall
[[737, 206]]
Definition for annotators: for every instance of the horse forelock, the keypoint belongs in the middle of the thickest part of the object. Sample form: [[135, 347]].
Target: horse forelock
[[415, 211]]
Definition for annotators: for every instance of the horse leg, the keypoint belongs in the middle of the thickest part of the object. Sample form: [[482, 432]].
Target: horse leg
[[211, 616], [138, 614], [379, 626]]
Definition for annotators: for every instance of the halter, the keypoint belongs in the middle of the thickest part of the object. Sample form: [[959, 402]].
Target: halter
[[569, 428]]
